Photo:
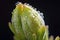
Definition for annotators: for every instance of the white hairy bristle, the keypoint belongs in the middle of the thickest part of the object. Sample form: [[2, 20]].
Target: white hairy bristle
[[18, 3], [29, 6]]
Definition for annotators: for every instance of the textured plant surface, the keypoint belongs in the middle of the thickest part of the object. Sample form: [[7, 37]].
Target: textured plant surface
[[28, 24]]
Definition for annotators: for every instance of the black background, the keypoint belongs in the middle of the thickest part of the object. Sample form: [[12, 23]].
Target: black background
[[50, 8]]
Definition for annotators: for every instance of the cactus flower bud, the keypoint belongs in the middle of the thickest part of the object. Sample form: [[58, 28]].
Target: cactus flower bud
[[27, 23]]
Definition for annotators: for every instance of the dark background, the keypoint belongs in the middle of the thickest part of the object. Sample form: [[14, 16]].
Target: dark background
[[51, 10]]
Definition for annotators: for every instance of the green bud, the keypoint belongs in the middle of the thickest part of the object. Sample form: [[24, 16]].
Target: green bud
[[57, 38], [27, 24]]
